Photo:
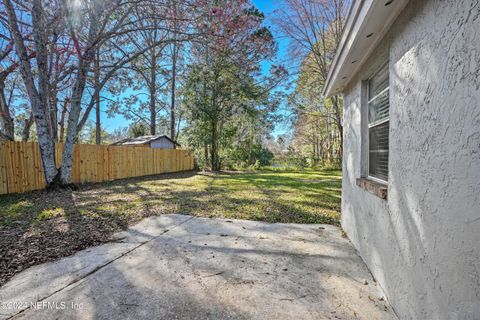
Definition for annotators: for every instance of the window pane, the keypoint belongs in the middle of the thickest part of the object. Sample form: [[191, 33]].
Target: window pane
[[378, 83], [378, 107], [378, 151], [378, 96]]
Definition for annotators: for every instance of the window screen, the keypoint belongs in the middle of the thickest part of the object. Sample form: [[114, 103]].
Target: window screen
[[378, 124]]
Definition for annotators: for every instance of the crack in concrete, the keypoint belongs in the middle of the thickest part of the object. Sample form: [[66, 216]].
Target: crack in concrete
[[77, 281]]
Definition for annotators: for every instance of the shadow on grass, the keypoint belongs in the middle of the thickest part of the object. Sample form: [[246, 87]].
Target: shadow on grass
[[42, 226]]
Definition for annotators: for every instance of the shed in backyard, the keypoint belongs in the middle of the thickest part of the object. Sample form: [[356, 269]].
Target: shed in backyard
[[154, 142]]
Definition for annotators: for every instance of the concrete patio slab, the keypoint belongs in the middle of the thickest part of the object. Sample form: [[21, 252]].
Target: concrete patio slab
[[149, 228], [193, 268]]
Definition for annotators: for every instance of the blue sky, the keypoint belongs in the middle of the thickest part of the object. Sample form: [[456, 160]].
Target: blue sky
[[267, 7]]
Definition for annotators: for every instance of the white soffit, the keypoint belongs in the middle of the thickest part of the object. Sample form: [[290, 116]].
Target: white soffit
[[367, 23]]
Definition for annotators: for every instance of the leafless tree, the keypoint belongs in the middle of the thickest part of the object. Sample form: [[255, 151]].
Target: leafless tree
[[6, 120], [38, 94], [81, 27], [314, 28]]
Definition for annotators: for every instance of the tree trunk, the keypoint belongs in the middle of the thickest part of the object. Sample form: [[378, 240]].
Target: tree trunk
[[84, 63], [52, 119], [338, 122], [153, 92], [6, 120], [72, 133], [53, 93], [62, 120], [327, 139], [177, 135], [26, 128], [174, 74], [38, 99], [98, 125], [214, 148], [172, 103], [206, 155]]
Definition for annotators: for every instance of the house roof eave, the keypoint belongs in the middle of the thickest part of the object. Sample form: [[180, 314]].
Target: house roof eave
[[366, 24]]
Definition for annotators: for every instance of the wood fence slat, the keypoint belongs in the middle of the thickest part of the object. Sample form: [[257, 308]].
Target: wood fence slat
[[16, 166], [9, 167], [26, 166], [28, 156], [21, 167], [35, 176], [3, 170], [39, 179]]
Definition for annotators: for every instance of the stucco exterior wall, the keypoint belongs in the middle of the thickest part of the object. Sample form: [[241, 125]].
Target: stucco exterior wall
[[423, 243], [162, 143]]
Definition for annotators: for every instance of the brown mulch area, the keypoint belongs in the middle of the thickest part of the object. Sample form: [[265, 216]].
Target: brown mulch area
[[56, 224]]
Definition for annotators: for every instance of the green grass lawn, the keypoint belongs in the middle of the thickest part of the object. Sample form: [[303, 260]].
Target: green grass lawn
[[42, 226]]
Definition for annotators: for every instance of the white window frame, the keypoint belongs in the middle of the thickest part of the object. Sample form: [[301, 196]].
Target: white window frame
[[376, 123]]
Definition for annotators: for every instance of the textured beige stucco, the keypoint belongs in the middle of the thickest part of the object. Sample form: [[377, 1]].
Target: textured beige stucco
[[423, 244]]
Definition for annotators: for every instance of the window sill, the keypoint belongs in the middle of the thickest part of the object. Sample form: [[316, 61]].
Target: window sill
[[374, 187]]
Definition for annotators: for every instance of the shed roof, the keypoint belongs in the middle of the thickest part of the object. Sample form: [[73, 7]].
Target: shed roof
[[367, 23], [142, 140]]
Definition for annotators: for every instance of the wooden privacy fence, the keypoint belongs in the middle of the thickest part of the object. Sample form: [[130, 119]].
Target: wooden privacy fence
[[21, 166]]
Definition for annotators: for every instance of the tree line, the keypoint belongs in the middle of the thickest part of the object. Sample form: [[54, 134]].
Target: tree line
[[191, 69], [315, 28], [190, 66]]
